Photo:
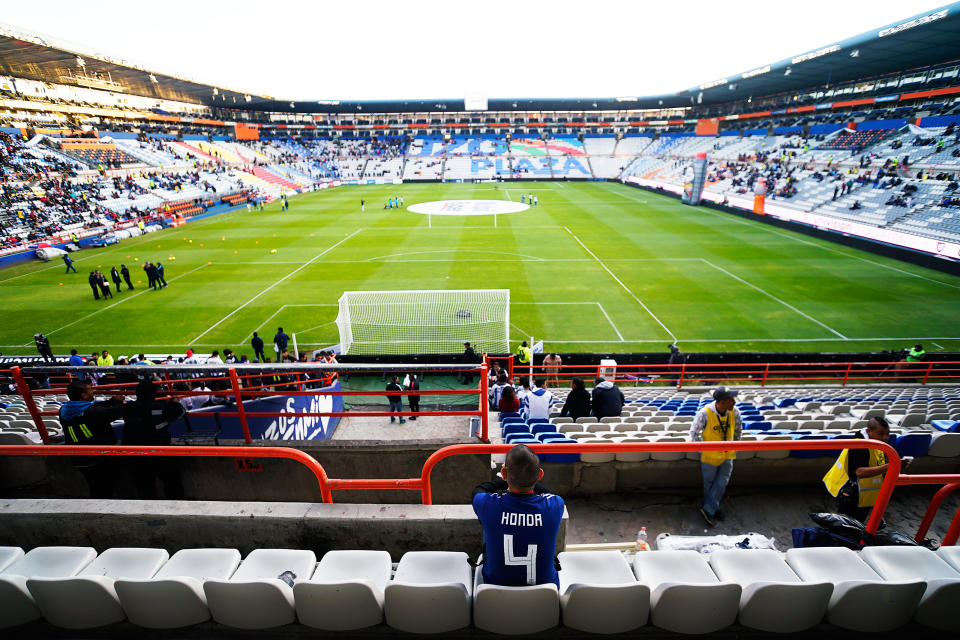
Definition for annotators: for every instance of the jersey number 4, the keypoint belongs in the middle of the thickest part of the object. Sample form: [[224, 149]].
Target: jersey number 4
[[529, 561]]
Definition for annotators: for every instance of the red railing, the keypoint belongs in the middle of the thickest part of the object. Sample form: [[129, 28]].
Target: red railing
[[892, 477], [249, 387], [765, 373]]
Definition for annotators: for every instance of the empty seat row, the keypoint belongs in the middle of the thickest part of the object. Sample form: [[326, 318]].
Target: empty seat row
[[878, 589]]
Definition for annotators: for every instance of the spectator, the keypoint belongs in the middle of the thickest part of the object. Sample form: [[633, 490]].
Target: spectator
[[395, 398], [257, 345], [607, 399], [87, 422], [577, 404], [509, 402], [520, 520], [539, 401], [496, 390]]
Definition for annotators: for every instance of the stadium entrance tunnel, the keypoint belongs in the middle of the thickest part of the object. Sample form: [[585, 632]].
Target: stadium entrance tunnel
[[467, 207]]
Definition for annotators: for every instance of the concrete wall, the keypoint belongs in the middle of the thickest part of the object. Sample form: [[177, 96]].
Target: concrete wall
[[174, 525], [453, 479]]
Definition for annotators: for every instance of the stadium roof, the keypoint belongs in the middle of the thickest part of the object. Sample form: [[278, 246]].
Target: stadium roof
[[930, 38]]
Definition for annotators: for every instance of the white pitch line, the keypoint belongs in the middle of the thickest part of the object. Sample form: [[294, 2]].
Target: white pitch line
[[937, 345], [770, 295], [418, 253], [319, 326], [768, 229], [632, 294], [284, 278], [605, 315], [264, 323], [507, 193], [120, 302]]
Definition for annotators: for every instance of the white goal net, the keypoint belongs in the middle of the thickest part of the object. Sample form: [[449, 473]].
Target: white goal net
[[437, 321]]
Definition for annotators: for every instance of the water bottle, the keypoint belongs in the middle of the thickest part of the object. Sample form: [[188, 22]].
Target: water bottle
[[642, 544], [288, 577]]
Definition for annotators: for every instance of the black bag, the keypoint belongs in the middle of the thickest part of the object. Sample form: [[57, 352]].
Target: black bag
[[892, 537], [840, 524]]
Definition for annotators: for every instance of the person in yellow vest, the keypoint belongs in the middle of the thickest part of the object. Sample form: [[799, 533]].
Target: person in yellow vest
[[524, 354], [719, 420], [855, 478]]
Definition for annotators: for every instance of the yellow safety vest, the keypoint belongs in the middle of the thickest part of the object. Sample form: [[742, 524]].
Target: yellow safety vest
[[838, 476], [719, 429], [523, 355]]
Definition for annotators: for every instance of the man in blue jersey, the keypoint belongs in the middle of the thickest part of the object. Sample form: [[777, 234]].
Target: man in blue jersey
[[520, 521]]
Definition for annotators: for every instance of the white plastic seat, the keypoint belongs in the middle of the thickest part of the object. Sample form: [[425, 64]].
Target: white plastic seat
[[950, 555], [632, 456], [597, 456], [775, 454], [610, 419], [669, 456], [945, 445], [514, 610], [774, 598], [938, 606], [89, 598], [861, 600], [598, 427], [345, 592], [600, 594], [17, 605], [255, 597], [431, 592], [745, 455], [685, 594], [585, 420], [9, 555], [174, 597]]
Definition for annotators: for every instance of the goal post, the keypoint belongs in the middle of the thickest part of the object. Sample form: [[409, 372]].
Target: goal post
[[424, 321]]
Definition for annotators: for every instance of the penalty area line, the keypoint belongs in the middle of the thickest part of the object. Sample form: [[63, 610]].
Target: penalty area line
[[620, 282]]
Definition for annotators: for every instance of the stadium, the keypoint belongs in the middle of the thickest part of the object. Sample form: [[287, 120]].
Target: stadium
[[480, 366]]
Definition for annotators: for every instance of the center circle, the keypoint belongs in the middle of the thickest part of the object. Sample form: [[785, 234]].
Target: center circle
[[467, 207]]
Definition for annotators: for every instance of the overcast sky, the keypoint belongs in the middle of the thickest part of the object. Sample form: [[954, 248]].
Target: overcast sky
[[373, 49]]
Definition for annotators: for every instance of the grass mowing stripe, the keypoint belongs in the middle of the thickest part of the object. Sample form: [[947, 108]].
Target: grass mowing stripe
[[605, 268], [118, 302], [770, 295], [766, 227], [292, 273]]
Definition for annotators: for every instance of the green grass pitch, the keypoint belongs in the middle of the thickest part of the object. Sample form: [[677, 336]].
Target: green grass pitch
[[597, 267]]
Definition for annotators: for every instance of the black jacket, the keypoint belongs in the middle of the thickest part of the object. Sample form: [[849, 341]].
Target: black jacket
[[393, 386], [577, 404], [607, 400], [257, 344]]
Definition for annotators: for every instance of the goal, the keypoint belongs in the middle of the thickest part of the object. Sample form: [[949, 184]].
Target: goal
[[424, 321]]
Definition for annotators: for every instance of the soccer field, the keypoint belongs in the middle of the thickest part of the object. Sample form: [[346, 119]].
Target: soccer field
[[595, 267]]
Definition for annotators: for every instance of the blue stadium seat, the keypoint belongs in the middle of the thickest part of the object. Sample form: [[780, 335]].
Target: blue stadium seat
[[785, 402], [946, 425], [913, 444], [542, 427], [560, 458], [509, 414], [521, 438], [547, 436], [532, 421], [815, 453], [758, 426], [516, 427]]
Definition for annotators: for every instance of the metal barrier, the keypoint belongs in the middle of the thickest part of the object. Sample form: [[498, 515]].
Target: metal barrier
[[891, 479], [766, 373], [245, 387], [190, 452]]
